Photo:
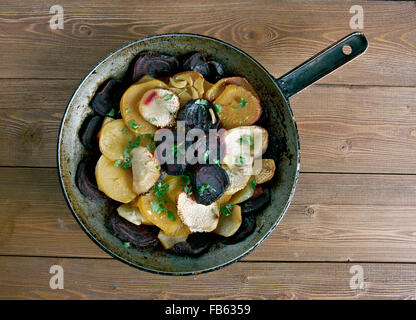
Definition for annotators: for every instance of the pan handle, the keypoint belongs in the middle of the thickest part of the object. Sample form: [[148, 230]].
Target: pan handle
[[322, 64]]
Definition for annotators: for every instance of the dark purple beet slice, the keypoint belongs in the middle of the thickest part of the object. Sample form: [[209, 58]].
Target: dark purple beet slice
[[212, 70], [153, 64], [89, 130], [216, 71], [256, 205], [197, 114], [107, 97], [248, 225], [85, 179], [142, 236], [209, 182], [195, 245]]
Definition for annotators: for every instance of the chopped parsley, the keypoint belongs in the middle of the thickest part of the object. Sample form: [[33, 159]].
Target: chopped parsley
[[158, 205], [201, 101], [218, 107], [226, 209], [168, 97], [126, 244], [132, 124], [150, 147], [247, 139], [205, 187], [125, 130], [253, 183], [153, 120], [183, 91], [111, 113], [118, 163], [243, 103], [240, 160]]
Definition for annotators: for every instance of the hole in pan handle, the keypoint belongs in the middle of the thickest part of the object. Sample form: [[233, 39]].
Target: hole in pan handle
[[322, 63]]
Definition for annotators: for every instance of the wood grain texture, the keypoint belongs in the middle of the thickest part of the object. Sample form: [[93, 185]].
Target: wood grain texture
[[334, 217], [280, 35], [342, 129], [28, 278]]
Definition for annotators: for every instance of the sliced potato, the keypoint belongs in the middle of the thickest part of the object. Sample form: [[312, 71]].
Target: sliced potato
[[245, 193], [113, 137], [244, 144], [216, 89], [146, 169], [168, 242], [159, 107], [129, 106], [115, 182], [239, 107], [188, 85], [145, 78], [228, 225], [171, 228], [132, 214], [197, 217], [238, 178], [175, 187], [225, 198], [106, 120], [268, 167]]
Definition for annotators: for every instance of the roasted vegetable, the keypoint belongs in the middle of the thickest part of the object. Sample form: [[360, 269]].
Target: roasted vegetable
[[115, 182], [132, 214], [129, 106], [142, 236], [212, 71], [168, 242], [89, 132], [248, 225], [266, 173], [239, 107], [195, 245], [85, 179], [107, 98], [245, 193], [145, 168], [153, 64], [215, 91], [209, 182], [256, 205], [199, 114], [198, 217], [229, 224], [188, 85], [238, 178]]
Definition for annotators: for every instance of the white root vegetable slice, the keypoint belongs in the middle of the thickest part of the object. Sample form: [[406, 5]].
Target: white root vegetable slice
[[238, 178], [268, 168], [145, 168], [132, 214], [245, 193], [197, 217], [159, 107], [244, 144], [228, 225], [115, 182], [168, 242]]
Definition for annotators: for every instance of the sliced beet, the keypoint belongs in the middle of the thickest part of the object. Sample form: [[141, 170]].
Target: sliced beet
[[258, 191], [106, 100], [212, 70], [199, 114], [89, 130], [248, 225], [153, 64], [209, 182], [85, 179], [256, 205], [195, 245], [142, 236]]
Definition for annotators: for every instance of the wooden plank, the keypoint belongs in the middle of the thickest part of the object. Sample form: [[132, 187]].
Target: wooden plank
[[342, 129], [280, 35], [28, 278], [334, 217]]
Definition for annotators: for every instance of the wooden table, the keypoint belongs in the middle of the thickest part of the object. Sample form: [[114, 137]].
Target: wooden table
[[355, 205]]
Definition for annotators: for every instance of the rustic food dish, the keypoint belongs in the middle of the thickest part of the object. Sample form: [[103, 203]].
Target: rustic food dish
[[133, 204], [161, 203]]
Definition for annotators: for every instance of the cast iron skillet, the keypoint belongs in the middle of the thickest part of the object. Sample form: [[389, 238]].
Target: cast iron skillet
[[274, 94]]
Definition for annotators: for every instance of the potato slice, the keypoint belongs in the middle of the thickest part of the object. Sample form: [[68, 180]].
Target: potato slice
[[115, 182], [159, 107], [171, 228], [188, 85], [228, 225], [239, 107], [216, 89], [244, 144], [238, 178], [132, 214], [168, 242], [145, 168], [129, 106], [113, 137], [197, 217], [268, 167], [225, 198], [245, 193], [175, 187], [105, 121]]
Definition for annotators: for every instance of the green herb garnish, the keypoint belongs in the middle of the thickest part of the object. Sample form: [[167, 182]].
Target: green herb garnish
[[125, 130], [247, 139], [240, 160], [205, 187], [111, 113], [153, 120], [243, 103], [126, 244], [253, 183], [150, 147], [168, 97], [118, 163], [226, 209], [201, 101], [218, 107], [132, 124]]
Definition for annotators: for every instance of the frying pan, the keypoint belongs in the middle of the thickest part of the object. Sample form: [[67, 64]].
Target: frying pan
[[274, 94]]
